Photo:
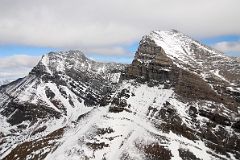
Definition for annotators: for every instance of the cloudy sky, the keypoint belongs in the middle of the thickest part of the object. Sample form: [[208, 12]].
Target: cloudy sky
[[107, 30]]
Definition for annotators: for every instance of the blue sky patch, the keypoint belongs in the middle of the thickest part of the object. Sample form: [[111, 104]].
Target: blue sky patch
[[214, 40], [8, 50]]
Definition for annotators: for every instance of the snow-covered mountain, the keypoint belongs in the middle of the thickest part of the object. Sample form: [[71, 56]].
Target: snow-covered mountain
[[178, 99]]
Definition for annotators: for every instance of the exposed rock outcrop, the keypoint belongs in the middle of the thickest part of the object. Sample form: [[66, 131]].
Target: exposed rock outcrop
[[150, 62]]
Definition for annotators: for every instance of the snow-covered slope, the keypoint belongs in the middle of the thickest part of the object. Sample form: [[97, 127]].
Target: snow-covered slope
[[182, 49], [140, 130], [172, 102], [192, 55]]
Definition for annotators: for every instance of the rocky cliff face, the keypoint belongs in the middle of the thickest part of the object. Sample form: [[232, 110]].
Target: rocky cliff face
[[177, 100], [150, 63]]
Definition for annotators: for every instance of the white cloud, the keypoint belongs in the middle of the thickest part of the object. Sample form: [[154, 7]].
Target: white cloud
[[16, 66], [104, 27], [18, 61], [95, 24], [228, 46]]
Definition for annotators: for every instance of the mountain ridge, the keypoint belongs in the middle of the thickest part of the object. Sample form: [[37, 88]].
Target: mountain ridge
[[176, 100]]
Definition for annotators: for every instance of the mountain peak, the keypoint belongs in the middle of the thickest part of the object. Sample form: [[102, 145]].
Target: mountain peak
[[59, 61], [67, 54], [182, 49]]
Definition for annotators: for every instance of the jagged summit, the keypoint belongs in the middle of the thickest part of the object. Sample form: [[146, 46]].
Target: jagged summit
[[66, 54], [181, 48], [61, 56], [60, 60], [189, 54], [75, 60]]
